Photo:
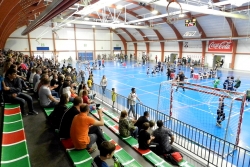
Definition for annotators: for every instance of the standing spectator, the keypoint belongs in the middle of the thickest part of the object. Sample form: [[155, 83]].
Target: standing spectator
[[56, 115], [142, 120], [168, 73], [113, 97], [37, 76], [156, 59], [82, 75], [221, 63], [67, 118], [216, 82], [126, 127], [103, 83], [162, 135], [89, 82], [12, 92], [85, 131], [45, 96], [237, 84], [132, 101]]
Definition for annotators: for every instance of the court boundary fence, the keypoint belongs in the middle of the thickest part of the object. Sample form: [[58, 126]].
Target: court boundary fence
[[211, 149]]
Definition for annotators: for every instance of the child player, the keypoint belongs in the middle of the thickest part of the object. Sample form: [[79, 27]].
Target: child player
[[148, 71], [113, 96], [216, 82], [220, 112], [225, 84], [231, 84]]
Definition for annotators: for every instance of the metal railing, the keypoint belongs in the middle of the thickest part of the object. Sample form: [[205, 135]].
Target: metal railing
[[210, 148]]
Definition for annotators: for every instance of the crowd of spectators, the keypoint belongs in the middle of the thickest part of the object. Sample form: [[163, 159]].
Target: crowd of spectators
[[55, 87]]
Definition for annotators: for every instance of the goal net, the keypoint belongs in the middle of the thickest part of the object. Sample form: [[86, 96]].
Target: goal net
[[198, 106]]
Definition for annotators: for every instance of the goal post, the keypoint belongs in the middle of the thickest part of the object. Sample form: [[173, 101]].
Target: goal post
[[198, 105]]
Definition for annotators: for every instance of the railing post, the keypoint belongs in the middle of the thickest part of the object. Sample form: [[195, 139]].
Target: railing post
[[209, 151]]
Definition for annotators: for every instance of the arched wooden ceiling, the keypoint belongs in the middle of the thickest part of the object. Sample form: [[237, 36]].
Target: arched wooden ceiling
[[17, 13]]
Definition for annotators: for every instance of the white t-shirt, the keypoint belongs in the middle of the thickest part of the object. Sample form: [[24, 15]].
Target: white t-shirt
[[132, 98], [44, 93], [31, 77], [103, 82], [67, 90]]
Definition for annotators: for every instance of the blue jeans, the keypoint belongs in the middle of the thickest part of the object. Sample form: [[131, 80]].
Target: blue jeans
[[134, 133], [132, 108]]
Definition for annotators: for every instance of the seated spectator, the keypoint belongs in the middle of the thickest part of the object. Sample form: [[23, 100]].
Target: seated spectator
[[67, 89], [33, 73], [13, 94], [60, 83], [144, 138], [162, 135], [107, 151], [126, 127], [151, 126], [57, 114], [85, 131], [142, 120], [45, 96], [67, 118], [37, 76], [86, 88], [86, 100]]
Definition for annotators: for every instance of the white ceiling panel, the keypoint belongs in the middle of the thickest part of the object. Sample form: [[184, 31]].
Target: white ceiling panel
[[242, 26], [126, 37], [167, 32], [135, 34], [214, 26]]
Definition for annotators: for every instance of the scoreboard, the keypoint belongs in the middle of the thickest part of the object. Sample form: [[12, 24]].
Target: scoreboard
[[190, 22]]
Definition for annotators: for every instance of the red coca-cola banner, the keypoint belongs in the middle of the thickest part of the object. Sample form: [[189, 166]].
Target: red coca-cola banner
[[220, 46]]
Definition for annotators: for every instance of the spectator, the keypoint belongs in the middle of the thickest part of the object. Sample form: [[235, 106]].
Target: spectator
[[131, 101], [67, 118], [13, 94], [126, 127], [142, 120], [82, 134], [106, 152], [33, 73], [37, 76], [56, 115], [144, 138], [103, 83], [86, 100], [162, 136], [45, 96], [151, 126]]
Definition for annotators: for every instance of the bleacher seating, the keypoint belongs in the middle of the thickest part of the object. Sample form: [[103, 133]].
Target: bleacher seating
[[81, 158], [14, 146], [111, 121]]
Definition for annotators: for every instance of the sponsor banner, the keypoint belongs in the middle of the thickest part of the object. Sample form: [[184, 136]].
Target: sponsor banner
[[220, 46]]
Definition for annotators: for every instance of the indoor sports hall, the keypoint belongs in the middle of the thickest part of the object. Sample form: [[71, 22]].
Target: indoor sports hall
[[185, 62]]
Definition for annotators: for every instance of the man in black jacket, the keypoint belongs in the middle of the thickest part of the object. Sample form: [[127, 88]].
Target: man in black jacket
[[142, 120], [13, 92]]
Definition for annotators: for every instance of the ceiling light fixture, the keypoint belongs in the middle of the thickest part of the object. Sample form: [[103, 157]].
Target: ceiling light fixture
[[181, 15], [119, 7], [93, 26], [69, 25], [86, 18], [154, 11]]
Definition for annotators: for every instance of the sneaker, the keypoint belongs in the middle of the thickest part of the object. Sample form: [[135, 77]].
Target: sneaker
[[25, 114], [218, 124], [33, 113], [92, 149]]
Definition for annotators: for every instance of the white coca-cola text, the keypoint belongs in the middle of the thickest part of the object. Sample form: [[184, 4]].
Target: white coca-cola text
[[222, 45]]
